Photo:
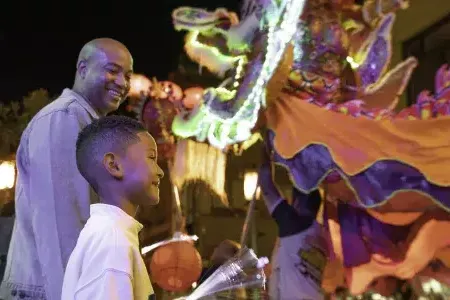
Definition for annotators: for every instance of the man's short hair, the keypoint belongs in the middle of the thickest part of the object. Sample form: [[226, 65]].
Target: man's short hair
[[107, 134]]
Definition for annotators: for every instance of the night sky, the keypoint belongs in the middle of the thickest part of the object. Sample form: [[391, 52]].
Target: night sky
[[40, 41]]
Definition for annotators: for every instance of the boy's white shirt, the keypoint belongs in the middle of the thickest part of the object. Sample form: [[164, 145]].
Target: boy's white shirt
[[298, 268], [106, 262]]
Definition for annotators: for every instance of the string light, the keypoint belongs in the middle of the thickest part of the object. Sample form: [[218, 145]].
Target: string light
[[224, 131]]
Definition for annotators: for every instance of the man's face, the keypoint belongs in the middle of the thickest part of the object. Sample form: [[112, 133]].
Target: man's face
[[142, 173], [107, 79]]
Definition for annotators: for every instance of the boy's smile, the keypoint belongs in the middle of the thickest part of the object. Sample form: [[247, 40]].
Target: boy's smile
[[142, 174]]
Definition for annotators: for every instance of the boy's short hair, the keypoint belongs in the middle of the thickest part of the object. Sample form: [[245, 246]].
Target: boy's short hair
[[107, 134]]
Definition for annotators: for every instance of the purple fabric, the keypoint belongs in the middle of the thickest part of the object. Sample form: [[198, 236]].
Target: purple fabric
[[378, 55], [377, 183], [362, 235]]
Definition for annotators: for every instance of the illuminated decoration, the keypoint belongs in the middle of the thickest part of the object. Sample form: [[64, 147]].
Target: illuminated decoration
[[206, 124], [176, 266], [209, 56], [250, 184], [194, 161], [139, 84], [238, 149], [192, 97], [352, 62], [156, 111], [317, 113], [7, 175]]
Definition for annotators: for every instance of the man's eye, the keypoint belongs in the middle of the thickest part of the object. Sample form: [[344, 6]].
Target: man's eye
[[113, 71]]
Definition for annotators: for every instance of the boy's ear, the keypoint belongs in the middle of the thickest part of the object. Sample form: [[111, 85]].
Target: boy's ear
[[112, 164]]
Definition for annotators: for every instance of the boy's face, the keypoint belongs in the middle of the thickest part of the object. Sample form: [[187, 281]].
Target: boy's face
[[142, 173]]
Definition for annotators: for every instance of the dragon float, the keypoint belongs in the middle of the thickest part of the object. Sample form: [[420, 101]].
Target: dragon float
[[317, 72]]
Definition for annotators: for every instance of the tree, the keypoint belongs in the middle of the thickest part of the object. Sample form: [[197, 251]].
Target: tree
[[14, 118]]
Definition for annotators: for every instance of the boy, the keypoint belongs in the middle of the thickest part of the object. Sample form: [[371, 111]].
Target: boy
[[118, 158], [300, 254]]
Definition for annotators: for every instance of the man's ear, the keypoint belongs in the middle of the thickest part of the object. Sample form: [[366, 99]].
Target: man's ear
[[112, 164], [82, 68]]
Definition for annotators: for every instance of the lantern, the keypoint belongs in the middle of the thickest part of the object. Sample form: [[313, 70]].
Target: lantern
[[167, 90], [192, 97], [176, 266], [139, 84], [157, 116]]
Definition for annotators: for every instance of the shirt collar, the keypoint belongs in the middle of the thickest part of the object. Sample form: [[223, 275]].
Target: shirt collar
[[114, 212], [81, 100]]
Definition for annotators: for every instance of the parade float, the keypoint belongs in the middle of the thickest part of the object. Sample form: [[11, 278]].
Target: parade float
[[316, 74]]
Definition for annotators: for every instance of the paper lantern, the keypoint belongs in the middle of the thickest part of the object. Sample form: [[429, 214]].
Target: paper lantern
[[176, 266], [157, 116], [167, 90], [192, 97], [139, 84]]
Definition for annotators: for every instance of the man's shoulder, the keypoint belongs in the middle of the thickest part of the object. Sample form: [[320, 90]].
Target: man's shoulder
[[66, 103]]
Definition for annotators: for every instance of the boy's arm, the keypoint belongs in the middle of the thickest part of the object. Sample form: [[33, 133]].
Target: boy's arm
[[112, 284], [60, 197]]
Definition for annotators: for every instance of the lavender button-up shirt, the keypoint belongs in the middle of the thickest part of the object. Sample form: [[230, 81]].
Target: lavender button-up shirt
[[52, 200]]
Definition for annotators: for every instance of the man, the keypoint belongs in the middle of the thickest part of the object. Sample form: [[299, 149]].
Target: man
[[300, 254], [52, 198]]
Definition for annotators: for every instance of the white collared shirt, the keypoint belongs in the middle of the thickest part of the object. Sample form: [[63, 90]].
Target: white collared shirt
[[106, 262]]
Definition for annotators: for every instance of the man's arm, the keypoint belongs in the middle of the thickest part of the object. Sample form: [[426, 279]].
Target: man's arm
[[112, 284], [59, 195]]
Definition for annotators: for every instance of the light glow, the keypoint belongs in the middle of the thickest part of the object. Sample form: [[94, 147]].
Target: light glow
[[7, 175]]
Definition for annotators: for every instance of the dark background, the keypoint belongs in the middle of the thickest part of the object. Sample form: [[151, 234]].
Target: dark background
[[40, 40]]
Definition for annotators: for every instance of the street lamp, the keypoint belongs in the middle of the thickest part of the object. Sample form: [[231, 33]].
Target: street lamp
[[251, 194], [250, 185], [7, 175]]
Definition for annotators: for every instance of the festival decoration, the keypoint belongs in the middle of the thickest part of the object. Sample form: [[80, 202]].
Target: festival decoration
[[226, 127], [192, 97], [175, 263], [326, 87], [139, 84], [167, 90], [7, 174], [177, 237], [175, 266], [200, 161], [156, 110], [242, 271]]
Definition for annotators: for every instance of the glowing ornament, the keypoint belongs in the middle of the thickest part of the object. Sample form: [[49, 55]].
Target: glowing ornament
[[167, 90], [139, 84], [157, 116], [176, 266], [192, 97], [7, 175]]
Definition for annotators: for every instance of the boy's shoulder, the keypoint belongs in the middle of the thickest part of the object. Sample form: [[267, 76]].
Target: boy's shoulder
[[107, 247]]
